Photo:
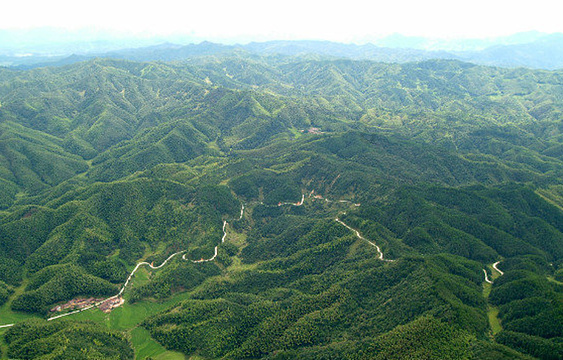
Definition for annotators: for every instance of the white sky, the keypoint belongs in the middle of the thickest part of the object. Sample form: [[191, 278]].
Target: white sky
[[350, 20]]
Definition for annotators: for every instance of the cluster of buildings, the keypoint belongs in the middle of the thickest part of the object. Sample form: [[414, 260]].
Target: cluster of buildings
[[80, 303], [313, 130], [111, 303], [75, 304]]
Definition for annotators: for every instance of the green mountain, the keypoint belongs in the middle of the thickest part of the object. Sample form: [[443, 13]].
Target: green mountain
[[531, 49], [277, 208]]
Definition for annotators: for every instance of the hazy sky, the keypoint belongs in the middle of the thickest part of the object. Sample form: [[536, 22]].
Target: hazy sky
[[235, 20]]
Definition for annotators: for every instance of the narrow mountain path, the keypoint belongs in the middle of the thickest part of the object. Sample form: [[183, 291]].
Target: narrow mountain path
[[143, 263], [487, 277], [318, 197], [363, 238], [495, 266], [314, 197], [225, 223], [216, 248], [294, 204], [492, 311]]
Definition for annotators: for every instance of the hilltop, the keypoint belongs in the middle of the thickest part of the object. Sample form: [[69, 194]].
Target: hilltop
[[443, 167]]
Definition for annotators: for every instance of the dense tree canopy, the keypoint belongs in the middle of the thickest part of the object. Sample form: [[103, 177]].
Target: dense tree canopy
[[447, 167]]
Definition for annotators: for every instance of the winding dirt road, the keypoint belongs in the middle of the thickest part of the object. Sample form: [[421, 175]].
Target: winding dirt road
[[497, 269], [487, 277], [121, 290], [300, 203], [144, 263], [294, 204], [380, 257], [495, 266]]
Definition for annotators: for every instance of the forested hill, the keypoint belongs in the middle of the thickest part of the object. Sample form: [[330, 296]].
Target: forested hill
[[446, 166], [112, 118]]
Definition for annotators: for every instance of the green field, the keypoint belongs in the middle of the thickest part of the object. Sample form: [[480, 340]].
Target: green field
[[7, 316], [108, 163], [145, 346], [492, 311], [127, 317], [130, 315], [141, 277]]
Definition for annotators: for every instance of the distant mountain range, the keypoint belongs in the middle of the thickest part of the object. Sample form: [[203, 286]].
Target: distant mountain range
[[530, 49]]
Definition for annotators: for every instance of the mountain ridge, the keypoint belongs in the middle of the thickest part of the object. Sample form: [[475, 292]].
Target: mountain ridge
[[532, 50], [447, 166]]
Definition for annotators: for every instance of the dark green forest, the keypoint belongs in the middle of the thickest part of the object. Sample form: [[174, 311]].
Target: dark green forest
[[446, 166]]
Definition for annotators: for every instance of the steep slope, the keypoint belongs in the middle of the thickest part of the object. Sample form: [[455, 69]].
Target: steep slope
[[376, 199], [32, 161]]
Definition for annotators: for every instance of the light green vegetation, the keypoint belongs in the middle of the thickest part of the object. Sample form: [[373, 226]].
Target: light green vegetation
[[494, 322], [492, 311], [553, 280], [553, 194], [7, 315], [141, 277], [494, 274], [145, 346], [130, 315], [107, 163], [486, 289]]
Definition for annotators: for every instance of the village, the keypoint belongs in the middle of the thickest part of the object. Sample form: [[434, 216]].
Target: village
[[312, 130], [111, 303], [106, 305]]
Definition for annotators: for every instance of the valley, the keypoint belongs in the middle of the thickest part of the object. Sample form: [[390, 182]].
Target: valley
[[420, 215]]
